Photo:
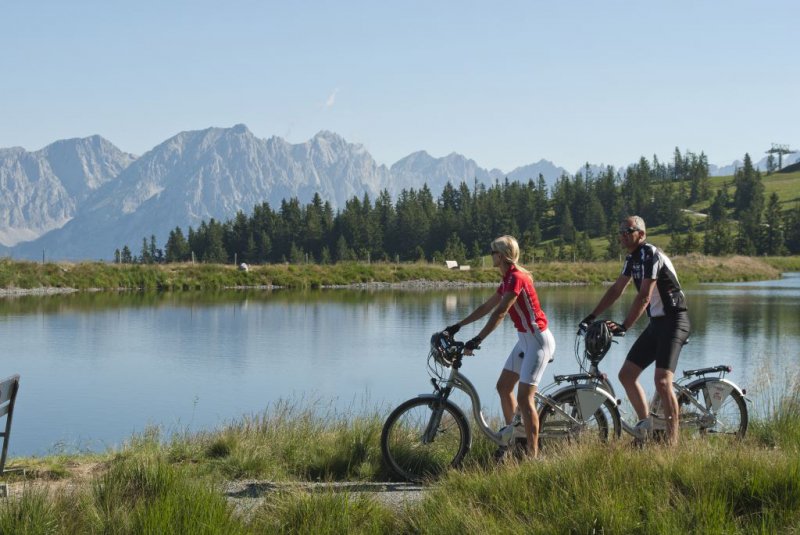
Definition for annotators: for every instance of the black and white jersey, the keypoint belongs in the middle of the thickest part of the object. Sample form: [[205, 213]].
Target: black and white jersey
[[648, 261]]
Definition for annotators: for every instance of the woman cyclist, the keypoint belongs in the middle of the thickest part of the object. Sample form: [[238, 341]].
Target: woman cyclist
[[525, 365]]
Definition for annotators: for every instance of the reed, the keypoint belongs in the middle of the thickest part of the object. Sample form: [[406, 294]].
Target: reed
[[184, 277]]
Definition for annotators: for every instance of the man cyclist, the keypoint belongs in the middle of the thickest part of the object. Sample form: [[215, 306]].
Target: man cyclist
[[660, 293]]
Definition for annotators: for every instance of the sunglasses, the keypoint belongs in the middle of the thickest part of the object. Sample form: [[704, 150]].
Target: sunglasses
[[629, 230]]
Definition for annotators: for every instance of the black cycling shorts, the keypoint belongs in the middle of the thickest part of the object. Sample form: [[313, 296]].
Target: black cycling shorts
[[661, 342]]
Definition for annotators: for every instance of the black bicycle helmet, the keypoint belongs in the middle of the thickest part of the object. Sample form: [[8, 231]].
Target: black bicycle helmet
[[597, 340], [440, 344]]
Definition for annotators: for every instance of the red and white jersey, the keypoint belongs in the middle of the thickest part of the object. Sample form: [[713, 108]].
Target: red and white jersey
[[526, 312]]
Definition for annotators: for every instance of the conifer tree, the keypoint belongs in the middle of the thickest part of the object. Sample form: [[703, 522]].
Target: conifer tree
[[748, 199], [455, 249], [719, 238], [583, 247], [676, 245], [325, 256], [144, 255], [263, 246], [343, 252], [793, 230], [772, 241], [177, 248], [125, 256], [692, 242], [613, 248], [296, 254], [214, 251], [314, 231]]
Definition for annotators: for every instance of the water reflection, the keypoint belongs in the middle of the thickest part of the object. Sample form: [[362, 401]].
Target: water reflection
[[98, 366]]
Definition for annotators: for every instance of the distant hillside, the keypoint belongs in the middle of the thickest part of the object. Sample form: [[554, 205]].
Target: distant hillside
[[793, 168]]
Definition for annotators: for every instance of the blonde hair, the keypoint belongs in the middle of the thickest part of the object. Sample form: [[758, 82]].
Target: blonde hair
[[508, 248]]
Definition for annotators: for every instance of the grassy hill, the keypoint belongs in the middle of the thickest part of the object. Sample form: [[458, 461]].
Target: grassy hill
[[786, 185]]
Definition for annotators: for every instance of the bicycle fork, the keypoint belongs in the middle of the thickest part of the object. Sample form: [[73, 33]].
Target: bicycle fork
[[437, 409]]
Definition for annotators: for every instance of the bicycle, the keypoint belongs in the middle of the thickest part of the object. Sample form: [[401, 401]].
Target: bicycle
[[428, 434], [708, 405]]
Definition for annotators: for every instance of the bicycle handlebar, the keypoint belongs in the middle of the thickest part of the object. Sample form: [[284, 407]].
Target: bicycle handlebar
[[448, 344]]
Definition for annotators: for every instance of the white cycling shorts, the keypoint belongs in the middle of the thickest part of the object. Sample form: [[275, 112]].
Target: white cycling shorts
[[531, 355]]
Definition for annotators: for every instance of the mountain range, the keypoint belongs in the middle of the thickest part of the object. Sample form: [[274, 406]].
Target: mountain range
[[80, 199]]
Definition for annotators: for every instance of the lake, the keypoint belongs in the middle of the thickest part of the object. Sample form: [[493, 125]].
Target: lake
[[99, 367]]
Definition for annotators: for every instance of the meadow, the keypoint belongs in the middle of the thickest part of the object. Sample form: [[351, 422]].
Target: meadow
[[177, 483]]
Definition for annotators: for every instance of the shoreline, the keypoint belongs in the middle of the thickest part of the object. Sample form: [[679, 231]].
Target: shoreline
[[412, 285], [376, 285], [19, 279]]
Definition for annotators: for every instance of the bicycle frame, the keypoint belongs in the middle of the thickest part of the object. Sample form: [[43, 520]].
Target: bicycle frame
[[590, 397]]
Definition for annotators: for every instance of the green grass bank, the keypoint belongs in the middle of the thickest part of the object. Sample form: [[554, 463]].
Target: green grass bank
[[177, 484], [19, 275]]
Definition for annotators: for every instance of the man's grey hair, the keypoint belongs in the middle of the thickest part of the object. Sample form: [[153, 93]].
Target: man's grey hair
[[638, 222]]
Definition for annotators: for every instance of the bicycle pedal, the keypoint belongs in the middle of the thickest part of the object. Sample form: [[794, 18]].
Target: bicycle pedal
[[500, 453], [520, 448], [519, 432], [643, 428]]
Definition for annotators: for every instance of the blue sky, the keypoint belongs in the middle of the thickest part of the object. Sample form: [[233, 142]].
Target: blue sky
[[504, 83]]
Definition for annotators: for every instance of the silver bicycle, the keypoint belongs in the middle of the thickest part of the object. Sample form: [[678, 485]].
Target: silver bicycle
[[709, 404], [428, 434]]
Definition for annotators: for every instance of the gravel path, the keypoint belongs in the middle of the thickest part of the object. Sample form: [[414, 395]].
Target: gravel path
[[247, 495]]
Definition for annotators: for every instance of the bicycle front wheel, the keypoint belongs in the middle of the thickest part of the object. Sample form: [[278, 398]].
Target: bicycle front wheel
[[577, 416], [423, 437]]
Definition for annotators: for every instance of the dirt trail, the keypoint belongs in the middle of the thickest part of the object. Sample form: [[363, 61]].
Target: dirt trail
[[244, 495], [248, 494]]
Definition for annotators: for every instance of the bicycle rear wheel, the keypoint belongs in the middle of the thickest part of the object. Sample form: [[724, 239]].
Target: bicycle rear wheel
[[405, 448], [566, 423], [714, 408]]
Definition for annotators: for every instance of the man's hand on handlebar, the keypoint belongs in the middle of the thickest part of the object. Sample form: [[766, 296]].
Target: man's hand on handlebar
[[472, 345], [617, 329]]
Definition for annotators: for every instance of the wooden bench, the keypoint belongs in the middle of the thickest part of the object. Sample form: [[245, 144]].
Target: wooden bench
[[8, 396]]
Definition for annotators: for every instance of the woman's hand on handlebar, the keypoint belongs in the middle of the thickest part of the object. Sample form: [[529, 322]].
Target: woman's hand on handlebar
[[472, 345], [583, 326], [451, 330]]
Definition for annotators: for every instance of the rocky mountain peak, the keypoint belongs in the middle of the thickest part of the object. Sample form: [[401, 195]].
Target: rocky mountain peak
[[42, 190], [192, 177]]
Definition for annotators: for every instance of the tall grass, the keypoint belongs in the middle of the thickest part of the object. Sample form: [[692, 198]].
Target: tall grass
[[321, 513], [695, 489], [175, 484], [287, 442], [784, 263], [777, 417]]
